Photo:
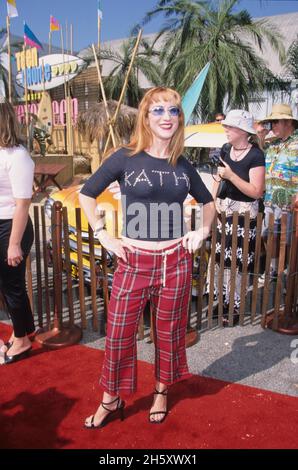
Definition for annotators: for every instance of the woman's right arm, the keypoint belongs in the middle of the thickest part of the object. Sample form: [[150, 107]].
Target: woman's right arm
[[106, 174], [88, 204], [110, 243], [97, 183]]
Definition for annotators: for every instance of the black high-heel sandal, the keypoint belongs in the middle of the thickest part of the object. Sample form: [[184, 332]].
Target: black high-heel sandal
[[17, 357], [119, 408], [164, 413], [7, 345]]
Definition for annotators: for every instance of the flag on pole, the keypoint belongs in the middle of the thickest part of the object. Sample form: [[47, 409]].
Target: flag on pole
[[30, 39], [99, 10], [192, 95], [54, 24], [11, 8]]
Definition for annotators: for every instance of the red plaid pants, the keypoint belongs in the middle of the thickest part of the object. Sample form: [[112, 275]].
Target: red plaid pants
[[164, 278]]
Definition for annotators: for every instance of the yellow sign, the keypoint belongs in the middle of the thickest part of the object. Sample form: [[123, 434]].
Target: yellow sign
[[28, 58]]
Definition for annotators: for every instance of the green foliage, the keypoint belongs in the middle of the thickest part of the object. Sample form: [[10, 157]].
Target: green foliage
[[145, 62], [199, 31], [292, 59]]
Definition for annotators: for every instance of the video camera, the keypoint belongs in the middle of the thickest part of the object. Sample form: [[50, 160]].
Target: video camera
[[215, 160]]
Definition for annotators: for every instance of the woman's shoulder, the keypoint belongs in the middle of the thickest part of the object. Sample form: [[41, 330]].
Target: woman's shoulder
[[116, 157], [183, 161], [256, 152], [120, 152], [18, 152], [257, 156]]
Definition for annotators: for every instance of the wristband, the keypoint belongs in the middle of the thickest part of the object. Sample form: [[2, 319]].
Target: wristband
[[98, 230]]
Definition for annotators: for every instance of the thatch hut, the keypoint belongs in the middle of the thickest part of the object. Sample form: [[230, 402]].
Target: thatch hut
[[93, 123]]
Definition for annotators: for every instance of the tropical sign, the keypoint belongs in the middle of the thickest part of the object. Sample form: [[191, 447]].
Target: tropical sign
[[59, 110], [48, 71]]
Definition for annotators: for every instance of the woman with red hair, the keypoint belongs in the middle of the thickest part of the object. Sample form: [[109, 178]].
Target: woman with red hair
[[154, 252]]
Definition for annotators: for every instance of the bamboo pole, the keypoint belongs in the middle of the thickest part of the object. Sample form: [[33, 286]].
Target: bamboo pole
[[66, 37], [69, 129], [68, 122], [71, 39], [42, 73], [98, 30], [111, 129], [26, 96], [65, 92], [124, 86], [9, 58], [50, 40]]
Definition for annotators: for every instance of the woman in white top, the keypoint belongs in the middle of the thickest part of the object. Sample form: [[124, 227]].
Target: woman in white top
[[16, 232]]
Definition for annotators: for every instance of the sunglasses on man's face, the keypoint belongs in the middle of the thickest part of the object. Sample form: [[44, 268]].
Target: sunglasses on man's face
[[173, 111]]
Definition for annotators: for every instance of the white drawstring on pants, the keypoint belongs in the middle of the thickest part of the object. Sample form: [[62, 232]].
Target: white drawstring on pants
[[164, 254]]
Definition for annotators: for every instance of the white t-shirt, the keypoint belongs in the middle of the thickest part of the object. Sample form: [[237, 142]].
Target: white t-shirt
[[16, 178]]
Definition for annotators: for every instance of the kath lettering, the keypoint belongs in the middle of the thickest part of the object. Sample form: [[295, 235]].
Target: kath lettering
[[131, 179]]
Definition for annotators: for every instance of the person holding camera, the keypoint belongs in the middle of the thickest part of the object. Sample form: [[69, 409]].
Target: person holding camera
[[240, 183]]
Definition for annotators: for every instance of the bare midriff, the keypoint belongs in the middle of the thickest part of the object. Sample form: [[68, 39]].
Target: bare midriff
[[149, 245]]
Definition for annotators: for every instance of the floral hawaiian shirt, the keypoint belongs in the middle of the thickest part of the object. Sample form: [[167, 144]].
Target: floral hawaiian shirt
[[282, 171]]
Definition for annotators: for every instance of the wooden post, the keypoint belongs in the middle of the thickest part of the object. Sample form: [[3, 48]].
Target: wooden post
[[124, 86], [66, 36], [98, 30], [111, 129], [71, 39], [221, 269], [50, 40], [65, 92], [26, 96], [9, 59], [59, 336], [42, 73]]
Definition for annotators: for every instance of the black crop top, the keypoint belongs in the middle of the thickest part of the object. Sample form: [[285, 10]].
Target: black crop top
[[152, 193], [254, 158]]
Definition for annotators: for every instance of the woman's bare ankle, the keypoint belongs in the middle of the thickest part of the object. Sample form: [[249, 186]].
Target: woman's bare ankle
[[19, 345], [110, 401]]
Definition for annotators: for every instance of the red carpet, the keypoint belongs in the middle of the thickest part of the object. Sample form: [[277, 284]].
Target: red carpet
[[45, 398]]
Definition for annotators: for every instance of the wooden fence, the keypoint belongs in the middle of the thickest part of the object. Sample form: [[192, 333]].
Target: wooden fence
[[69, 276]]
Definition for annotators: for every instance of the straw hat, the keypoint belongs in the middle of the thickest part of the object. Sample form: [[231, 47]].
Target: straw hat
[[241, 120], [280, 111]]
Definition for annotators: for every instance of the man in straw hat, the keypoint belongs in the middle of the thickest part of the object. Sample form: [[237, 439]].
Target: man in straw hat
[[281, 169]]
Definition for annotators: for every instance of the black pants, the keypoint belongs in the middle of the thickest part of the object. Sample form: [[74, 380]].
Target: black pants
[[12, 281]]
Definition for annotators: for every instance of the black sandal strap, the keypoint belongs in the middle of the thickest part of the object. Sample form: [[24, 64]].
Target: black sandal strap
[[158, 412], [104, 404], [164, 392]]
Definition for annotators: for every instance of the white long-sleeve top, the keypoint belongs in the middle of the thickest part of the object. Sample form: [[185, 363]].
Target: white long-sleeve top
[[16, 178]]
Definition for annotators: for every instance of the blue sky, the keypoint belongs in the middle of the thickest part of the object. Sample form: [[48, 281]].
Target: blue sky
[[118, 16]]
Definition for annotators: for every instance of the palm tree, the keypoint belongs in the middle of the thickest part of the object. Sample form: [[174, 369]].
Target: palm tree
[[292, 58], [199, 31], [145, 62]]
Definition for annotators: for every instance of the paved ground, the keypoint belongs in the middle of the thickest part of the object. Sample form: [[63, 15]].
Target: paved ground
[[249, 355]]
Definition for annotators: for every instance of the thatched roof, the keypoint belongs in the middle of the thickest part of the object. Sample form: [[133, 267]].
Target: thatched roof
[[93, 123]]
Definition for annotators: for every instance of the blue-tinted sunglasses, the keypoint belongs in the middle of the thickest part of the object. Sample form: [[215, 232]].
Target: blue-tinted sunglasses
[[173, 111]]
